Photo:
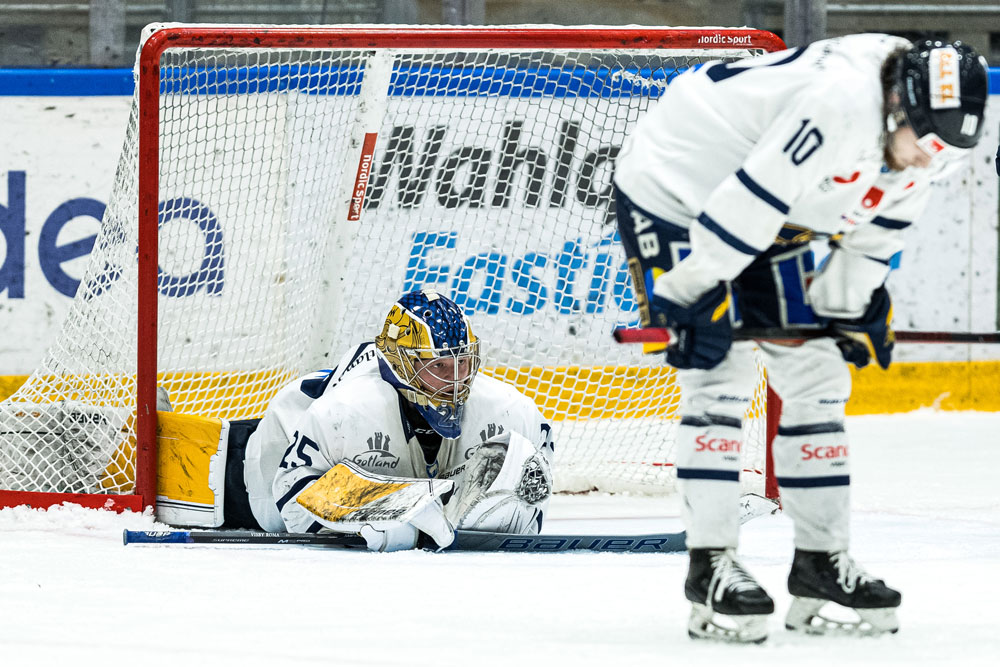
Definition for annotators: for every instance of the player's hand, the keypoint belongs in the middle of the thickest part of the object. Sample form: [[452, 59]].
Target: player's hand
[[704, 332], [870, 335]]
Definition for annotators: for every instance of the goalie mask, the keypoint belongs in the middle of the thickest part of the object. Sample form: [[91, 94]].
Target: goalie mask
[[429, 353], [942, 89]]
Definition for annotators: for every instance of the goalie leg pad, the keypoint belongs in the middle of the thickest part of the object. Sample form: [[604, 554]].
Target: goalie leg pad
[[192, 453], [386, 511], [505, 489]]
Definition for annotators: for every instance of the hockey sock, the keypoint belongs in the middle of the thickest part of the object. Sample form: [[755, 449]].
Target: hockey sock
[[708, 470], [812, 466]]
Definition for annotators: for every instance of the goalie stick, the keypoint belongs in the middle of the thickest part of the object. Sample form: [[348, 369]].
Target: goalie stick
[[465, 540], [751, 506], [776, 335]]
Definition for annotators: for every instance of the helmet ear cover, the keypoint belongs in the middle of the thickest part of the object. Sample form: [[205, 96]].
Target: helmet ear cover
[[942, 90]]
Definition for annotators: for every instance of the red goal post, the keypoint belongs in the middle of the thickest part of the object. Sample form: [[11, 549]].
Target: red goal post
[[558, 384]]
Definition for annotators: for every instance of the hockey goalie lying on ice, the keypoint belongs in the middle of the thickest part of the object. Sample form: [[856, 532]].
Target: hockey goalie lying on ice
[[400, 439]]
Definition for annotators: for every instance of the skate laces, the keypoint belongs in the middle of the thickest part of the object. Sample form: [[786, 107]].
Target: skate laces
[[728, 574], [849, 573]]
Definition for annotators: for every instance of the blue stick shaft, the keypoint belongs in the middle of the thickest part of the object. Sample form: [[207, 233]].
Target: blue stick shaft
[[240, 537], [465, 540]]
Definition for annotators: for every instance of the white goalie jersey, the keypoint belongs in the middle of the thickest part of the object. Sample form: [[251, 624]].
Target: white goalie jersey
[[806, 150], [352, 414]]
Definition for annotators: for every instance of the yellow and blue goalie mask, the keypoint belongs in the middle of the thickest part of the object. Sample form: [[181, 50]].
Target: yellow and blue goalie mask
[[430, 355]]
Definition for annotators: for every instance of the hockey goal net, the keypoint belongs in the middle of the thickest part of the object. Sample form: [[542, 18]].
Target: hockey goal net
[[280, 187]]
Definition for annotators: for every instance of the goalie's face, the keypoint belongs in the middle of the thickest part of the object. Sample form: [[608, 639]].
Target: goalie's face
[[447, 378]]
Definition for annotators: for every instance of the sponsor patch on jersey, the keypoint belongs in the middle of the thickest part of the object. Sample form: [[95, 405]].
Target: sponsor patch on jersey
[[847, 179], [378, 456], [945, 92], [872, 198], [937, 148]]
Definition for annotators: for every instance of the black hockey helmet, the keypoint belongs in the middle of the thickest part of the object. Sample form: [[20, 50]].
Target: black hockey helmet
[[943, 89]]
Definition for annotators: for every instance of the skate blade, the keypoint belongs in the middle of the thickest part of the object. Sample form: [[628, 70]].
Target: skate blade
[[707, 625], [823, 617]]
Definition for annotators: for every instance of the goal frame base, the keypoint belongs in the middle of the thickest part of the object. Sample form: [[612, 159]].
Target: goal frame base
[[44, 500]]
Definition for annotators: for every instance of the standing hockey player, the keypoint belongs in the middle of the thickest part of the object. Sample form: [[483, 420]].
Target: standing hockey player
[[401, 438], [720, 189]]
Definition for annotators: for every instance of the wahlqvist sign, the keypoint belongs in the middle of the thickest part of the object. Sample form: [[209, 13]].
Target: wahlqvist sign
[[461, 177]]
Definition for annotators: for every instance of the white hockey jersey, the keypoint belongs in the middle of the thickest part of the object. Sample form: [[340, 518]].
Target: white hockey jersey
[[735, 151], [351, 413]]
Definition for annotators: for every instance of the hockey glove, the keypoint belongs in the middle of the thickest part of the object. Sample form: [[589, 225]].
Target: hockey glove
[[704, 332], [505, 488], [869, 336]]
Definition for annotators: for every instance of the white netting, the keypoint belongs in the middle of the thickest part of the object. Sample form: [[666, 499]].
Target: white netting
[[490, 182]]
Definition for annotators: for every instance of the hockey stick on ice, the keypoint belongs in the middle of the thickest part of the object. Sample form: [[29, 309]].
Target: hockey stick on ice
[[751, 506], [465, 540], [665, 336], [243, 537]]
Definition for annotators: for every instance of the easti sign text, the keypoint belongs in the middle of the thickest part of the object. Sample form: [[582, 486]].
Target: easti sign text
[[572, 279]]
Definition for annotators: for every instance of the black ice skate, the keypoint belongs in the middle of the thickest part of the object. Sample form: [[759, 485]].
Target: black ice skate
[[818, 578], [728, 603]]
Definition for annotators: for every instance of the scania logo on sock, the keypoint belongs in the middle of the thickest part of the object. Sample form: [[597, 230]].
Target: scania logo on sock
[[823, 452], [717, 444], [377, 457]]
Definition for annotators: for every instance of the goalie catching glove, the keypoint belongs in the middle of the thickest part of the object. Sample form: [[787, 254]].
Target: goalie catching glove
[[389, 512], [505, 489]]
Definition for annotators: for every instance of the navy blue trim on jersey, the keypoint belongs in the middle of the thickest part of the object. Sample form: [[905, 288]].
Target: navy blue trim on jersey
[[408, 431], [294, 491], [314, 387], [708, 473], [812, 429], [717, 229], [890, 223], [763, 194], [723, 71], [814, 482], [547, 437], [887, 262]]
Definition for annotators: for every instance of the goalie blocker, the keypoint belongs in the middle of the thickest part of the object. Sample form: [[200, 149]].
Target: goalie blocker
[[201, 484]]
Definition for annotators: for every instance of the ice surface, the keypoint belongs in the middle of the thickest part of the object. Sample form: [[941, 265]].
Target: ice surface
[[927, 519]]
